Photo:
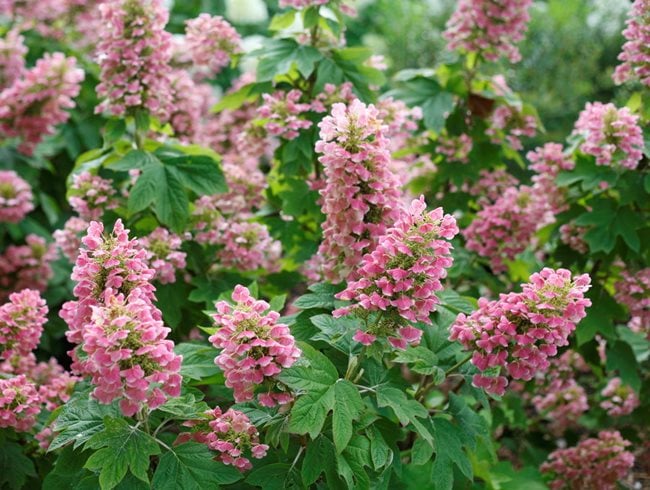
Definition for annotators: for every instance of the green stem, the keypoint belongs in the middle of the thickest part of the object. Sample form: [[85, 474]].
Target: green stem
[[458, 364]]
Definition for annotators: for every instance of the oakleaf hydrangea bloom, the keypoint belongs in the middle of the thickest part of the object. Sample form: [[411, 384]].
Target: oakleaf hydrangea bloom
[[508, 124], [26, 266], [489, 27], [91, 195], [129, 357], [620, 399], [21, 323], [519, 332], [16, 199], [37, 101], [505, 228], [401, 276], [547, 162], [134, 53], [211, 41], [231, 434], [562, 402], [254, 346], [248, 246], [109, 265], [331, 94], [455, 148], [164, 254], [635, 56], [19, 403], [361, 197], [190, 103], [69, 238], [633, 292], [595, 463], [573, 236], [612, 135], [12, 57], [282, 110], [491, 185]]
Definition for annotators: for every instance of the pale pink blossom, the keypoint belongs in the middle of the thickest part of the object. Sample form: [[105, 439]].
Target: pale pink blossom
[[163, 251], [16, 199], [91, 195], [21, 323], [619, 399], [68, 239], [211, 42], [635, 55], [19, 403], [12, 57], [283, 114], [26, 266]]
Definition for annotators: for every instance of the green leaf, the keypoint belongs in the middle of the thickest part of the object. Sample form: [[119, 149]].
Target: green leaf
[[277, 476], [121, 447], [198, 360], [620, 357], [436, 109], [449, 451], [380, 453], [313, 372], [282, 20], [420, 359], [146, 188], [310, 411], [277, 302], [199, 173], [191, 466], [407, 410], [185, 406], [422, 452], [172, 204], [318, 457], [278, 56], [79, 420], [142, 121], [135, 159], [322, 296], [471, 424], [347, 407], [15, 467], [352, 461], [625, 226], [68, 470], [114, 130]]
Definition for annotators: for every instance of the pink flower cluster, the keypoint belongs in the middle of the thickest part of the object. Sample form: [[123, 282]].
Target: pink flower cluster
[[332, 94], [26, 266], [361, 196], [21, 323], [635, 55], [129, 357], [191, 102], [519, 332], [573, 236], [455, 148], [401, 276], [547, 162], [69, 238], [91, 195], [254, 347], [12, 58], [505, 228], [231, 434], [489, 27], [491, 185], [509, 124], [19, 403], [619, 399], [134, 53], [117, 325], [283, 111], [37, 101], [595, 463], [612, 135], [562, 402], [633, 292], [16, 199], [164, 254], [248, 246], [211, 41]]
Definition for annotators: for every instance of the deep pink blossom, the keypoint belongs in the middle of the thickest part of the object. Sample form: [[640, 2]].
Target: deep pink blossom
[[37, 101], [231, 434], [489, 27], [519, 332], [16, 199], [68, 239], [164, 254], [128, 354], [254, 346], [595, 463], [19, 403], [91, 195], [211, 42], [635, 55], [26, 266], [361, 196], [401, 275], [12, 58], [561, 402], [619, 399], [21, 323], [134, 53], [610, 134]]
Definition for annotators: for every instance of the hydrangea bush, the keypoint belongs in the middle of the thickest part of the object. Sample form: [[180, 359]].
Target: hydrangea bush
[[274, 267]]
